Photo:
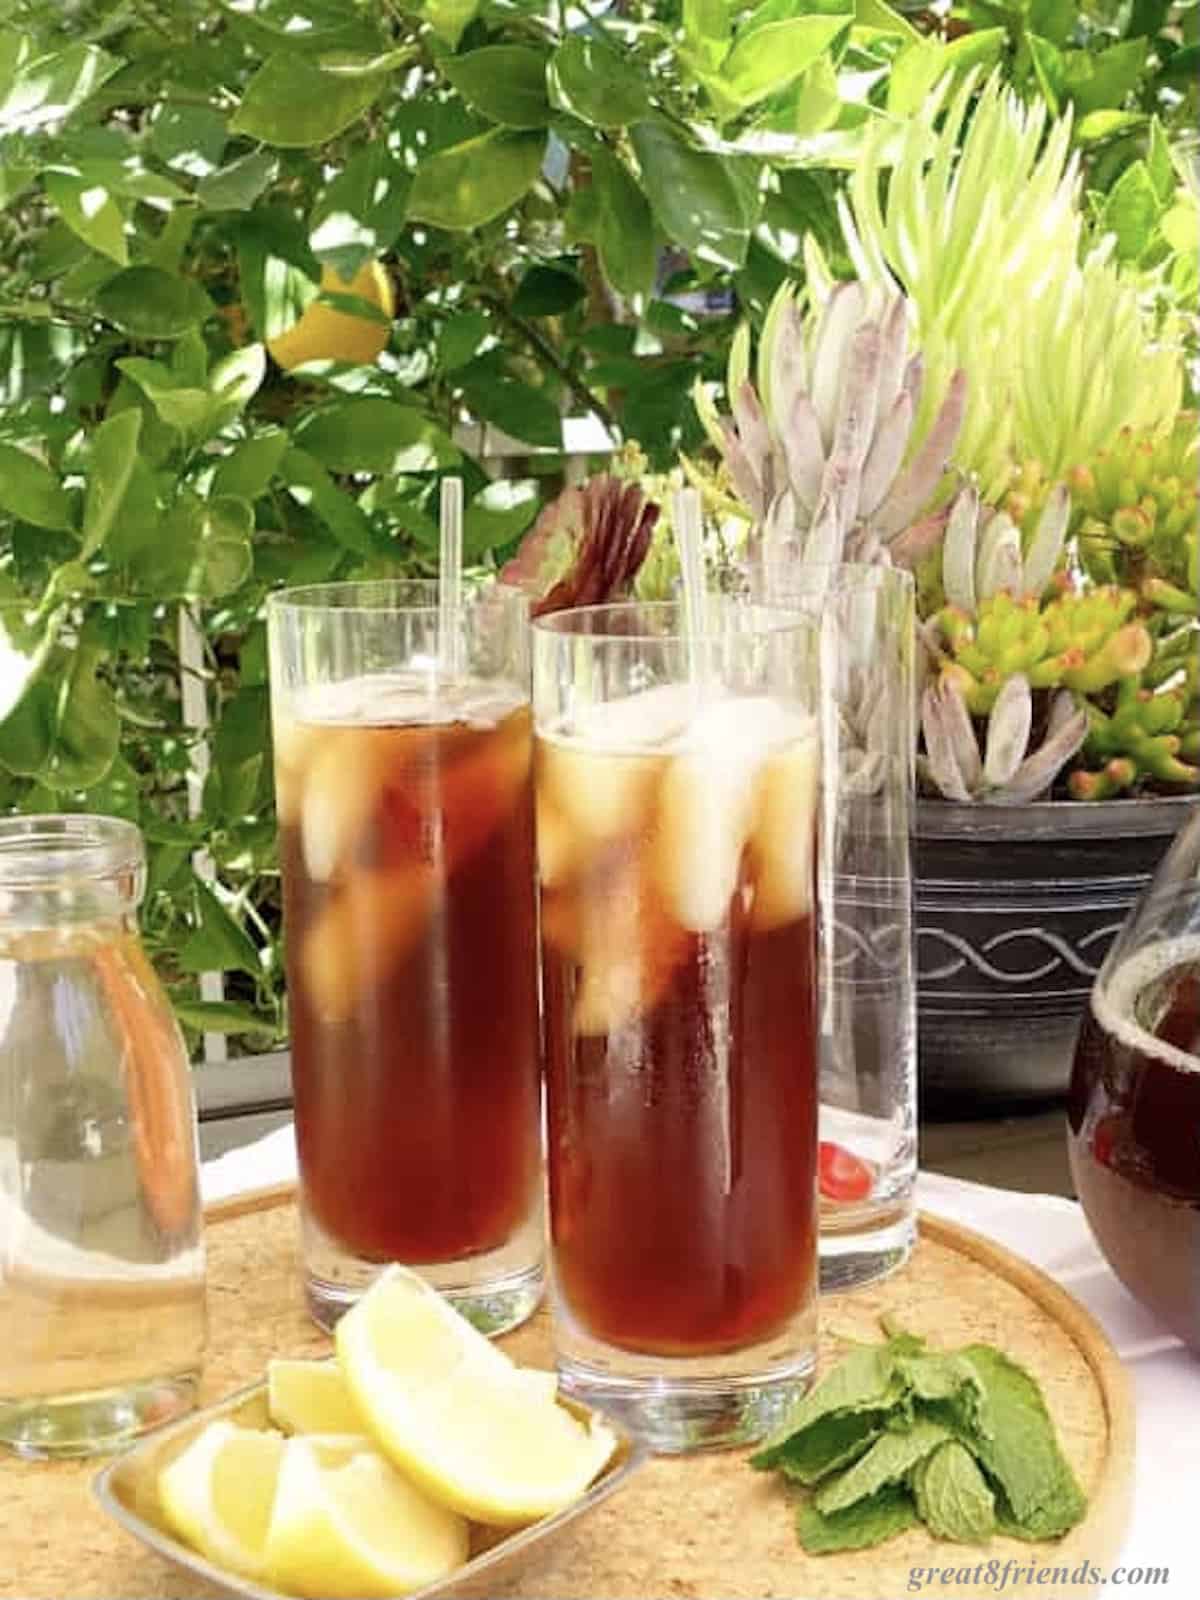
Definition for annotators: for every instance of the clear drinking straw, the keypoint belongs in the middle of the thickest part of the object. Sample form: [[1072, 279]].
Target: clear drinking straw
[[689, 538], [450, 577]]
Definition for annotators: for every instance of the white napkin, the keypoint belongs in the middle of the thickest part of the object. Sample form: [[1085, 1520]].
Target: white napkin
[[266, 1162], [1053, 1234]]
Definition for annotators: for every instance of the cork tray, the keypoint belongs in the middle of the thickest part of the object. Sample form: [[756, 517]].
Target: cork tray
[[702, 1527]]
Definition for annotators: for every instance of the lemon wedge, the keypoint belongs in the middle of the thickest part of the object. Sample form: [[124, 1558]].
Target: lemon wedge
[[310, 1397], [218, 1494], [350, 1526], [454, 1414]]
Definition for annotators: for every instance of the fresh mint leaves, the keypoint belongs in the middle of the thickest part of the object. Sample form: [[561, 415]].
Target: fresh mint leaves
[[867, 1522], [898, 1433], [889, 1460], [952, 1495], [1017, 1447], [827, 1444]]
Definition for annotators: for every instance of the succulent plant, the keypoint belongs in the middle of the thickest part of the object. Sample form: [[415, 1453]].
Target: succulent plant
[[1084, 642], [1142, 738], [1058, 584], [983, 553], [820, 448], [1011, 629], [1138, 506], [1014, 765], [981, 223]]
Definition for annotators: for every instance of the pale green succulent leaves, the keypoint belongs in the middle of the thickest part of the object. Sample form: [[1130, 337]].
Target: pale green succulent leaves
[[982, 225]]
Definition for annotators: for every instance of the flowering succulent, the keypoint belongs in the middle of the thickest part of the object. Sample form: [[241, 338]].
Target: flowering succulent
[[821, 448]]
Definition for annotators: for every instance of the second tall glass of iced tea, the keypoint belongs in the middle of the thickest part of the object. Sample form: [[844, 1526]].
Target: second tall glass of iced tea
[[677, 809], [405, 804]]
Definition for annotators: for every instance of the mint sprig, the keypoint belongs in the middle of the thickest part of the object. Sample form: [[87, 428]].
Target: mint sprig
[[897, 1433]]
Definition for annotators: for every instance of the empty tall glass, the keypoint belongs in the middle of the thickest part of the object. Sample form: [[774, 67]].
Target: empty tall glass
[[676, 794], [868, 1155], [403, 788]]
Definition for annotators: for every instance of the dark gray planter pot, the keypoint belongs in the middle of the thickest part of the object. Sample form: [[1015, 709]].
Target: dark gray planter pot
[[1015, 907]]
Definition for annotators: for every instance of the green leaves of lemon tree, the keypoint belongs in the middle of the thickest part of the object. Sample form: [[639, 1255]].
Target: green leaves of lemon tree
[[450, 19], [89, 210], [368, 434], [110, 467], [29, 490], [769, 51], [149, 303], [38, 89], [360, 213], [219, 942], [292, 102], [507, 83], [589, 79], [214, 539], [64, 732], [620, 225], [695, 197], [237, 186], [766, 58], [468, 184], [249, 467]]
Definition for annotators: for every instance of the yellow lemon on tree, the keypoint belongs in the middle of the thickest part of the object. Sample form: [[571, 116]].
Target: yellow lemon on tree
[[324, 334]]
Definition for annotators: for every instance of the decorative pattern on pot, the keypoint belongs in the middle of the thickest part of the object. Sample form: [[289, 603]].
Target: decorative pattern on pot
[[1060, 954], [1015, 910]]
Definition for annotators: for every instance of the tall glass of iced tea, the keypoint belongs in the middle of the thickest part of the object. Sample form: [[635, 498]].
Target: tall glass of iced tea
[[405, 804], [677, 808]]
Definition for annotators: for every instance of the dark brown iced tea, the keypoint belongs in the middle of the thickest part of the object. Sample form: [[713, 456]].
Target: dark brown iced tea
[[407, 854], [680, 1023]]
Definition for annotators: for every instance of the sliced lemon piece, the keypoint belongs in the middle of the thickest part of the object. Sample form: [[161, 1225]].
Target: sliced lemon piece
[[352, 1528], [477, 1436], [310, 1397], [540, 1386], [218, 1494], [411, 1322]]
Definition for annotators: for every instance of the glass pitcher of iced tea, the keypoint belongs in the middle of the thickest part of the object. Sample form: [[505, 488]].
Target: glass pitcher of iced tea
[[1134, 1109], [405, 806], [102, 1312]]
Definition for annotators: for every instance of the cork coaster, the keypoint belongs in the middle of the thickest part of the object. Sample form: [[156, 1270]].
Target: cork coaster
[[701, 1527]]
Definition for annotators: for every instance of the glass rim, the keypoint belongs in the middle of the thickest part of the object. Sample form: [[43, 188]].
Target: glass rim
[[381, 596], [556, 624], [53, 848]]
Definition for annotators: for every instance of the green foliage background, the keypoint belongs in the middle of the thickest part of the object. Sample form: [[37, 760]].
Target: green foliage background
[[574, 207]]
